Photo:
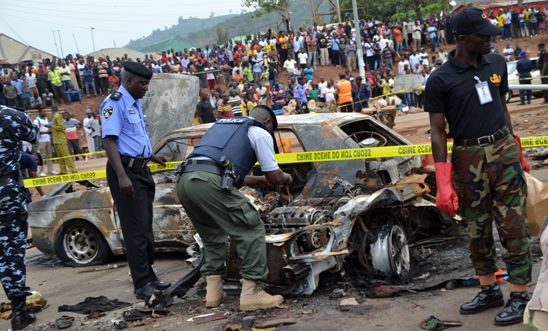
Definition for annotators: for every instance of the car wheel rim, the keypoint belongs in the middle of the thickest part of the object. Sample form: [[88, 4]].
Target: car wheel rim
[[390, 252], [80, 244]]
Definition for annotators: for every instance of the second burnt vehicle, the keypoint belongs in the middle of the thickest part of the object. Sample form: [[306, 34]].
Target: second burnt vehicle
[[362, 212]]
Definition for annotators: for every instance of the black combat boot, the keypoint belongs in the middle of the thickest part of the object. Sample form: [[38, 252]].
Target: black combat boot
[[513, 310], [20, 318], [490, 296]]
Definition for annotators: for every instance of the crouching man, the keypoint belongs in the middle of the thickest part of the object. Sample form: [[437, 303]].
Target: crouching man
[[208, 189]]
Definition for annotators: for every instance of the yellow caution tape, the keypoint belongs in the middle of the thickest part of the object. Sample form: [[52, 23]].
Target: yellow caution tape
[[299, 157], [73, 155], [61, 179]]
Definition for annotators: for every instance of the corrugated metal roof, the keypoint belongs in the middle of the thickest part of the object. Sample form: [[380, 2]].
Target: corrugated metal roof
[[13, 51]]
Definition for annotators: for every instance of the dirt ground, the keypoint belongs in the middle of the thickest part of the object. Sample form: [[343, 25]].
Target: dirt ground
[[321, 311]]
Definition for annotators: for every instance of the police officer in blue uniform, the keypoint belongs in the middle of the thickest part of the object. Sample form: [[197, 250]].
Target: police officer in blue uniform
[[128, 149], [208, 189], [15, 127]]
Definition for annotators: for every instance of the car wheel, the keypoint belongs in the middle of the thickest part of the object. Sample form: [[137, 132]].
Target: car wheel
[[79, 243], [390, 252]]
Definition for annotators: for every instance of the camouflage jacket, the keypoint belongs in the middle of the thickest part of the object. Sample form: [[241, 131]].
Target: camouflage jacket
[[539, 301], [15, 126]]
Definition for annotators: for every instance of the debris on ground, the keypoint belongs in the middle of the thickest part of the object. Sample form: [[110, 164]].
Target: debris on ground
[[434, 323], [275, 323], [134, 315], [35, 303], [205, 318], [64, 322], [108, 267], [93, 304], [349, 302], [119, 324]]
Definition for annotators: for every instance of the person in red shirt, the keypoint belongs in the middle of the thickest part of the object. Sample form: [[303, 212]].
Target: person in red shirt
[[114, 82]]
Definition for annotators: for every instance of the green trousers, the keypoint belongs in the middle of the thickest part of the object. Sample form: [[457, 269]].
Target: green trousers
[[217, 215], [62, 150]]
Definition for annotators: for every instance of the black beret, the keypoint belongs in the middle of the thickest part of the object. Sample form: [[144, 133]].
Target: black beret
[[138, 69]]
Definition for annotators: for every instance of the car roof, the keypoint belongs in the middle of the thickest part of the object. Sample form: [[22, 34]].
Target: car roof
[[283, 122]]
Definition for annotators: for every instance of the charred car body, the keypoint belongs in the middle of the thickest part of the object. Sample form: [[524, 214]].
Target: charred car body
[[361, 211]]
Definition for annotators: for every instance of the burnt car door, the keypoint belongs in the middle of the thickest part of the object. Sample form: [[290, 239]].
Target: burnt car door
[[171, 225]]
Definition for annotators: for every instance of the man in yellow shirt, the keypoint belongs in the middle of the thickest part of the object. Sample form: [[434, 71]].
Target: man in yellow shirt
[[59, 141], [54, 76]]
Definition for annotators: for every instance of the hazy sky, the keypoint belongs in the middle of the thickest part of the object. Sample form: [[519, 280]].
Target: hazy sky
[[115, 21]]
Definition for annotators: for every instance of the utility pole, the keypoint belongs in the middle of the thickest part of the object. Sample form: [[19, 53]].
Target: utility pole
[[75, 43], [359, 48], [92, 38], [339, 11], [114, 41], [55, 42], [60, 44]]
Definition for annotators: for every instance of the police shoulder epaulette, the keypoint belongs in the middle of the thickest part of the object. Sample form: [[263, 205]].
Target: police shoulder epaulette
[[232, 120], [116, 95]]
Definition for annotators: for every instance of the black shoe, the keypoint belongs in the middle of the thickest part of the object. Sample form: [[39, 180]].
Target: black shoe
[[20, 318], [159, 285], [490, 296], [513, 310], [145, 292]]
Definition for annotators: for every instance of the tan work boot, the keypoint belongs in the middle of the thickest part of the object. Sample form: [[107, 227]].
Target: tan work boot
[[214, 291], [253, 298]]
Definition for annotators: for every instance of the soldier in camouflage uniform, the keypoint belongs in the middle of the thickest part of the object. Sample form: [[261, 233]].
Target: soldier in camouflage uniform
[[484, 181], [15, 127]]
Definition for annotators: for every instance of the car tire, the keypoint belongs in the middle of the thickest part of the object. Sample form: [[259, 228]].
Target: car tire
[[80, 244]]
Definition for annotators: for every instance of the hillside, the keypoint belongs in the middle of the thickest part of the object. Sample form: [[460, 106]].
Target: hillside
[[180, 30], [205, 31]]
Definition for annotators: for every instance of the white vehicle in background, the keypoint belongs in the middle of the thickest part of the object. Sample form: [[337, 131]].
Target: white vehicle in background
[[513, 78]]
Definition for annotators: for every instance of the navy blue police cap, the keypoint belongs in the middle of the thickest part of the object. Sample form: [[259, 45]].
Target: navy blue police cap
[[138, 69]]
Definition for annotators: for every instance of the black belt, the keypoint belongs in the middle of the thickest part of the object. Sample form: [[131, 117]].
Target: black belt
[[134, 162], [203, 165], [485, 140]]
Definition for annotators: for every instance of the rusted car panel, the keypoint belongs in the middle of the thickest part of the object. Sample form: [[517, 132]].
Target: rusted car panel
[[334, 211]]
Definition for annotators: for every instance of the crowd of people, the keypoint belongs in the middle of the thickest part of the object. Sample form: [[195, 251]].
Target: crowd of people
[[275, 69]]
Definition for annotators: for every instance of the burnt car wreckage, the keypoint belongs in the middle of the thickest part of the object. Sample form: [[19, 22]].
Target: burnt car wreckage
[[361, 212]]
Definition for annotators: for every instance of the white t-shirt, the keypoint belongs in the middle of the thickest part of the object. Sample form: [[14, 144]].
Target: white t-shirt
[[289, 65], [81, 67], [262, 144], [42, 124], [322, 87], [401, 66], [329, 94], [508, 53], [303, 58]]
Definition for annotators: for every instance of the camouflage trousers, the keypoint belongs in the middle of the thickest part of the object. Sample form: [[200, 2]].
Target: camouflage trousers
[[490, 184], [13, 242]]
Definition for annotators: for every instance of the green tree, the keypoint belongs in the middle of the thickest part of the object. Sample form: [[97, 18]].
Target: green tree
[[393, 8], [268, 6]]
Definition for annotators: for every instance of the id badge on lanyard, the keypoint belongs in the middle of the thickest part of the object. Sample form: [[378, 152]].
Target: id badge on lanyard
[[484, 94]]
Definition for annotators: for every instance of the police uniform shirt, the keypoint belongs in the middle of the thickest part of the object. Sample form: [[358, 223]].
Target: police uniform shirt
[[124, 119], [451, 89], [262, 144]]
